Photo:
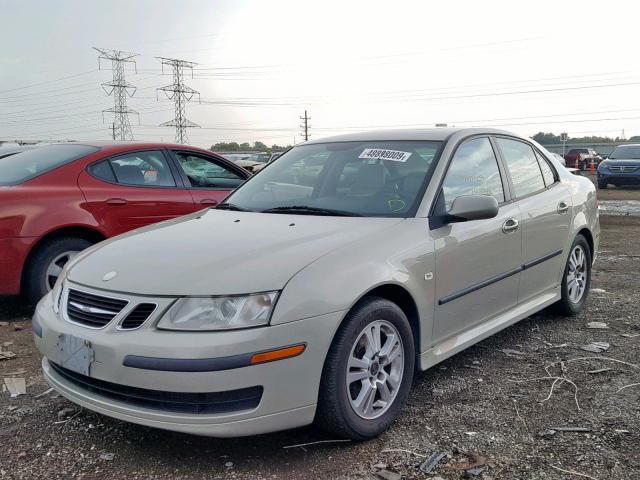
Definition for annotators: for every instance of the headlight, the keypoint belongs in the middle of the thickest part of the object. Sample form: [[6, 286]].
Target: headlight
[[219, 313], [56, 292]]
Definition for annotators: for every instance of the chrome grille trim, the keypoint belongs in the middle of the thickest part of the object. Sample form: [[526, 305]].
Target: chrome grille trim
[[90, 310], [623, 168]]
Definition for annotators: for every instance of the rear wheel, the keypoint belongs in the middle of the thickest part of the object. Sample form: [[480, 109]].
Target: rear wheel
[[47, 263], [368, 371], [577, 278]]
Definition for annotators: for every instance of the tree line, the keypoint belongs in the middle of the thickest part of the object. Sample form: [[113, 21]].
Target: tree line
[[553, 139], [247, 147]]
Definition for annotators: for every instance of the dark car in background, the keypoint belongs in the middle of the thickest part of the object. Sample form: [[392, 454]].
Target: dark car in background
[[582, 158], [621, 168], [57, 200]]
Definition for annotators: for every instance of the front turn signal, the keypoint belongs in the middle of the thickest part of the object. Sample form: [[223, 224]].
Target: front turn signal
[[278, 354]]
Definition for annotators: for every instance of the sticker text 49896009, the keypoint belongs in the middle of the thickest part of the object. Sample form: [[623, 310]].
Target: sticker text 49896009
[[383, 154]]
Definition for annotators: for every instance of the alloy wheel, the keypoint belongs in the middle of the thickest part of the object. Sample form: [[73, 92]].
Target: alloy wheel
[[55, 268], [374, 369], [577, 274]]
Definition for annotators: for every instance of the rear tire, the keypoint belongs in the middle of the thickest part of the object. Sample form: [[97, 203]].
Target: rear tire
[[380, 377], [576, 279], [49, 259]]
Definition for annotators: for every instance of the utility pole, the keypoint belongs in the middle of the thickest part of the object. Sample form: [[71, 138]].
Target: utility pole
[[305, 126], [120, 89], [180, 94]]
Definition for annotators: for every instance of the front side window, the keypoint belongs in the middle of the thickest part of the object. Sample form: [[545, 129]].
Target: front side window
[[378, 178], [147, 169], [523, 166], [473, 171], [18, 168], [205, 173]]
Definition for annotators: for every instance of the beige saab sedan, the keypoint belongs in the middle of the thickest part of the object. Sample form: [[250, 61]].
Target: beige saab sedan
[[320, 286]]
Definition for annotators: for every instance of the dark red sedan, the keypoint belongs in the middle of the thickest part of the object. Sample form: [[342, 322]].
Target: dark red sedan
[[57, 200]]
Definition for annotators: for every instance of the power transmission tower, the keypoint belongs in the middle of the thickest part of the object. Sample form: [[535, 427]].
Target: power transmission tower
[[305, 126], [180, 94], [120, 89]]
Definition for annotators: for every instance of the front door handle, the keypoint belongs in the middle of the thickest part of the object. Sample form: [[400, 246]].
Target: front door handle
[[116, 201], [563, 207], [208, 201], [510, 226]]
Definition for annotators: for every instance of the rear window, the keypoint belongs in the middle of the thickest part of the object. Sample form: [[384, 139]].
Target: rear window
[[23, 166]]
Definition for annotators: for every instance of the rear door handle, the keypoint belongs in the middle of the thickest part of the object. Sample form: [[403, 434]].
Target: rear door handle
[[563, 207], [208, 201], [510, 226], [116, 201]]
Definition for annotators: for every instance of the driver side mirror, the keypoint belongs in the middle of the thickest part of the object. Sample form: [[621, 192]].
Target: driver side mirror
[[472, 207]]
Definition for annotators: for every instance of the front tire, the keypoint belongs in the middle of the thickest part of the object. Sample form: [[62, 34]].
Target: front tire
[[368, 371], [47, 263], [576, 280]]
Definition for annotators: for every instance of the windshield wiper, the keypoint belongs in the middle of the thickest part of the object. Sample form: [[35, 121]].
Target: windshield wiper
[[231, 206], [302, 209]]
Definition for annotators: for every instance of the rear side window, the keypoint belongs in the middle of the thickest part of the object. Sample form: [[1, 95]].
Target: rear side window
[[523, 166], [23, 166], [145, 169], [547, 171], [103, 171], [473, 171]]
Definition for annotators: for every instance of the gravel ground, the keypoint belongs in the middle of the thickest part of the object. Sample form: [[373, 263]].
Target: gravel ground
[[483, 406]]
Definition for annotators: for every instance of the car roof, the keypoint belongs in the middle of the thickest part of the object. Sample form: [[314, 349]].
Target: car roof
[[424, 134], [114, 146]]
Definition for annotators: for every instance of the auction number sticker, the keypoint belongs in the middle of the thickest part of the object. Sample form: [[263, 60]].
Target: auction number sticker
[[382, 154]]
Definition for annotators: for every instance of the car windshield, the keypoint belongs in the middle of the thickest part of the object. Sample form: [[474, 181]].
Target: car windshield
[[373, 179], [626, 152], [20, 167]]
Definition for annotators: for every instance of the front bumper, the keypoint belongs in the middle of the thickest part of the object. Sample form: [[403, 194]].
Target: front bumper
[[289, 386], [619, 178], [13, 253]]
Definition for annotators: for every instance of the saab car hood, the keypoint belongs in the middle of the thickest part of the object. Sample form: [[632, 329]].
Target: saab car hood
[[218, 252]]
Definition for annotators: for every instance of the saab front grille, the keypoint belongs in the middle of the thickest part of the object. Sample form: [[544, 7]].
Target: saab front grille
[[138, 316], [92, 310], [180, 402]]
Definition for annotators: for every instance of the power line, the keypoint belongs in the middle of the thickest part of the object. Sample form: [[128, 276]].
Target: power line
[[180, 94], [48, 81], [120, 89]]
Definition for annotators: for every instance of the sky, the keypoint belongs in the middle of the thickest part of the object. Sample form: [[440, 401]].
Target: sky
[[553, 66]]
